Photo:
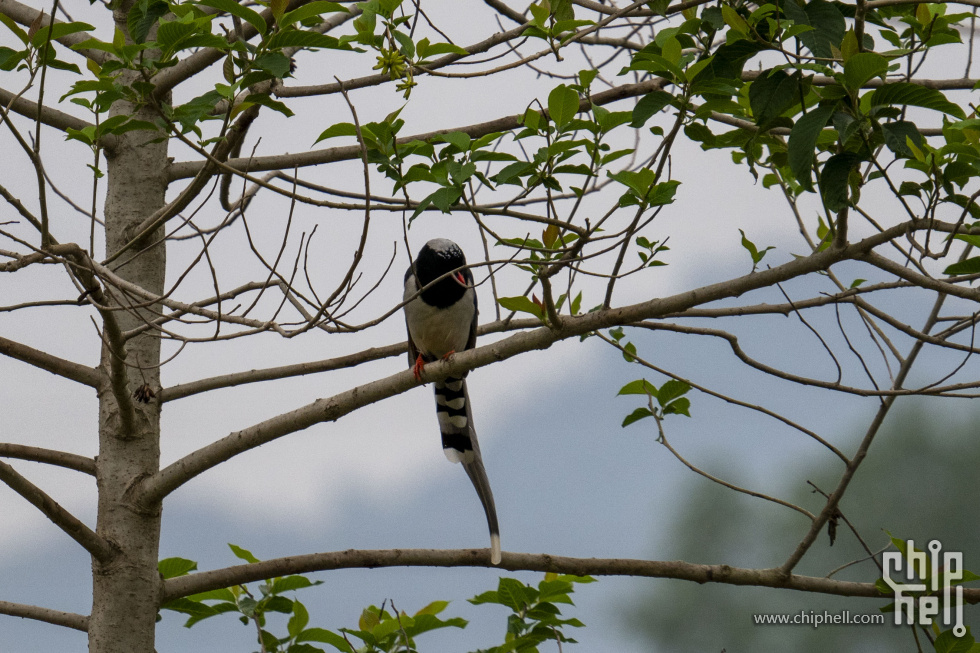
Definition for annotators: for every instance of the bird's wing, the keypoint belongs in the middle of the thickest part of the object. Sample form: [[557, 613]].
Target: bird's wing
[[413, 350]]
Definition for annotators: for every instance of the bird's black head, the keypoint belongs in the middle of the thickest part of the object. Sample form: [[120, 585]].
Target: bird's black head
[[436, 258]]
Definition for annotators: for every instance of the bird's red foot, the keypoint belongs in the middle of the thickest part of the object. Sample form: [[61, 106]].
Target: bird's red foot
[[451, 352], [417, 368]]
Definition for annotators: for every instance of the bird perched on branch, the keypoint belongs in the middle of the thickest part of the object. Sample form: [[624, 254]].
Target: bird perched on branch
[[441, 321]]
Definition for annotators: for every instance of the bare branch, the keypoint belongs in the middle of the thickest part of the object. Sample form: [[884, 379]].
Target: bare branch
[[353, 559], [100, 549], [48, 456], [48, 116], [348, 152], [186, 69], [830, 509], [166, 480], [83, 374], [47, 615]]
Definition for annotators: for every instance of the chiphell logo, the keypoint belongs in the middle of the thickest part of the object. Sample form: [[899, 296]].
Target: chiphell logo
[[939, 576]]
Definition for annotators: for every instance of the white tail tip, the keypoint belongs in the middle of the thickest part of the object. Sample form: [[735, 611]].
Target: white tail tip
[[495, 549]]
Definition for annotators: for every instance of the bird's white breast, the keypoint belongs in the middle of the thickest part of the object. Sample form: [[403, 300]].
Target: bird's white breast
[[438, 331]]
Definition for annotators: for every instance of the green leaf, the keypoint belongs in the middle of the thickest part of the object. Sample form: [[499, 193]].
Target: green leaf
[[196, 611], [515, 594], [629, 352], [295, 38], [223, 594], [440, 48], [274, 63], [947, 642], [803, 142], [14, 27], [636, 416], [265, 100], [648, 105], [10, 58], [898, 133], [235, 9], [63, 65], [834, 180], [905, 93], [171, 32], [562, 105], [143, 16], [243, 554], [826, 20], [756, 254], [772, 93], [639, 387], [486, 597], [340, 129], [680, 406], [310, 11], [459, 139], [585, 77], [671, 390], [325, 637], [863, 66], [969, 266], [433, 608], [663, 193], [443, 199], [58, 30], [289, 583], [173, 567], [521, 305], [298, 621]]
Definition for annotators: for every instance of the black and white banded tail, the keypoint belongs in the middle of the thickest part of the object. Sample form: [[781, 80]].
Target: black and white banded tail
[[452, 409], [460, 445]]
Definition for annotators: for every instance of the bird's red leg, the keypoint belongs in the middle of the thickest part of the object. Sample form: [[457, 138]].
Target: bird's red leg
[[417, 368], [451, 352]]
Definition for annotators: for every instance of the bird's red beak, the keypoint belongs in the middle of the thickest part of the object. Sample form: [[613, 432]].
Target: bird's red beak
[[460, 279]]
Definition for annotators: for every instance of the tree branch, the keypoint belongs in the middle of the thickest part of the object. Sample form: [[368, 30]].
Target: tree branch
[[48, 456], [56, 617], [92, 542], [315, 367], [348, 152], [186, 69], [48, 116], [157, 486], [175, 588], [83, 374]]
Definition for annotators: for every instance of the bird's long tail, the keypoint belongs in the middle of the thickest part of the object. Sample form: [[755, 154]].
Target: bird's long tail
[[460, 445]]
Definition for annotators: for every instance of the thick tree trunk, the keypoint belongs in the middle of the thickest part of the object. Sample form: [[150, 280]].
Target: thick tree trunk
[[126, 589]]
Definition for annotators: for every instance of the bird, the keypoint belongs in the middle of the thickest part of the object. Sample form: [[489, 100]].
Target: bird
[[441, 320]]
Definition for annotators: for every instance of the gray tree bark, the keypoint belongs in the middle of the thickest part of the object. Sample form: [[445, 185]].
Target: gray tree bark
[[126, 588]]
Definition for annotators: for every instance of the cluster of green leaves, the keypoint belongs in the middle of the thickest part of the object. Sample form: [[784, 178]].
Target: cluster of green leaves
[[833, 128], [38, 46], [669, 397], [754, 251], [535, 616], [397, 53], [162, 30], [553, 21], [238, 599]]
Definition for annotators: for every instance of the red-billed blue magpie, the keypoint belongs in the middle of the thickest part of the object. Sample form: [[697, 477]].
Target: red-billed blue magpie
[[442, 320]]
